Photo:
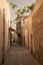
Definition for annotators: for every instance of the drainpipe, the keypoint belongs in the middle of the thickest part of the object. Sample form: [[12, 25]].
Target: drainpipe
[[3, 34]]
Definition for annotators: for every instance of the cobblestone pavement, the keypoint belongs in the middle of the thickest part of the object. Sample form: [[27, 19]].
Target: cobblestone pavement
[[19, 55]]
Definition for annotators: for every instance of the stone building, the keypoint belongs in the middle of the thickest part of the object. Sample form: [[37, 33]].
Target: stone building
[[37, 28], [35, 22], [32, 31], [4, 29], [25, 32], [34, 26], [13, 35], [19, 28]]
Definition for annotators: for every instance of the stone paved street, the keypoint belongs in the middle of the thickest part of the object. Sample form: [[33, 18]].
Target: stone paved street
[[19, 55]]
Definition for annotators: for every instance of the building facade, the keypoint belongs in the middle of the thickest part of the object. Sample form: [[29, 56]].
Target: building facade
[[34, 29], [25, 32], [4, 31], [37, 27], [35, 22], [19, 28]]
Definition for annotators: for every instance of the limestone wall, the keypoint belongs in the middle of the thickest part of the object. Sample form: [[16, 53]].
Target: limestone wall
[[1, 36], [25, 34], [4, 17], [37, 25]]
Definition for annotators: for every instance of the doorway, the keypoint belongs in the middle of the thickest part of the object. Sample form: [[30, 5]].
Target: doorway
[[31, 44], [24, 40], [28, 38]]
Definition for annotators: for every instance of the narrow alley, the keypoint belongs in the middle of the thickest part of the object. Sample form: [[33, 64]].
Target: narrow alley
[[21, 32], [19, 55]]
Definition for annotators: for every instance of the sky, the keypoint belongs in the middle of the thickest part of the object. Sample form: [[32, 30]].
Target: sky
[[20, 4]]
